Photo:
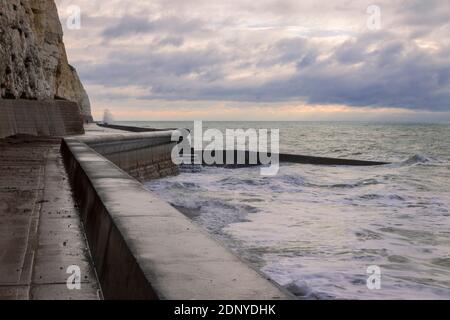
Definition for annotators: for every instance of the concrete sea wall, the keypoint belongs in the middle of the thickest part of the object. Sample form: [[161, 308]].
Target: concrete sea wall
[[142, 247], [39, 118], [142, 155]]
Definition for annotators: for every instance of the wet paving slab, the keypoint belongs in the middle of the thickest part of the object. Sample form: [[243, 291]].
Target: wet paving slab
[[41, 235]]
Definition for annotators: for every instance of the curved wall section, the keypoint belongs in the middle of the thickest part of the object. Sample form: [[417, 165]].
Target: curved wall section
[[142, 155], [142, 247]]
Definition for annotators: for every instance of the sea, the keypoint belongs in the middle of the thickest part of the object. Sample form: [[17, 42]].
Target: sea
[[332, 232]]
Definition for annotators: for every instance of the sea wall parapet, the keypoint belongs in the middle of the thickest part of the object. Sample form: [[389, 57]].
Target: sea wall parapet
[[142, 247]]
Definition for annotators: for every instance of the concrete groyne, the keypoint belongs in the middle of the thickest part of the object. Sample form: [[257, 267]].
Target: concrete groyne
[[243, 158], [142, 247]]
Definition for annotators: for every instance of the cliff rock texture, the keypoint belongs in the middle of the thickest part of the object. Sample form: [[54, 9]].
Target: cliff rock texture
[[33, 60]]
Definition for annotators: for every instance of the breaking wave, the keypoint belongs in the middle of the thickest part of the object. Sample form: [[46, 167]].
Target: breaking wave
[[420, 159]]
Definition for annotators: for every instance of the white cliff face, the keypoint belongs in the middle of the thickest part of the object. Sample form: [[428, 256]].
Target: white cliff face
[[33, 60]]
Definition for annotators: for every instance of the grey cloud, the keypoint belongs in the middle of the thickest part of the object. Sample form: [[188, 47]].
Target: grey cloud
[[130, 25], [396, 74], [175, 41], [375, 69], [159, 70]]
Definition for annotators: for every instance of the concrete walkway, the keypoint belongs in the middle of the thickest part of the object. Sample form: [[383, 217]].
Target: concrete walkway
[[40, 230]]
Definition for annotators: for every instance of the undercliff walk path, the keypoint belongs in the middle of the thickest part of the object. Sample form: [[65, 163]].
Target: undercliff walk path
[[41, 235]]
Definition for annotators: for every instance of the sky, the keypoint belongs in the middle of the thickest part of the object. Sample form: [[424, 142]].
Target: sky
[[308, 60]]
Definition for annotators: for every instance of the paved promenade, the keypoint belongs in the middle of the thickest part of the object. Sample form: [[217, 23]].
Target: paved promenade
[[40, 230]]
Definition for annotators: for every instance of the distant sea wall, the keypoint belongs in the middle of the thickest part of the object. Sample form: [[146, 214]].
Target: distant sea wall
[[130, 128], [142, 155], [39, 118]]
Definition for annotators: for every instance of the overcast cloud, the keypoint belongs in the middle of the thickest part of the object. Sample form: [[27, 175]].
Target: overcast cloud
[[247, 53]]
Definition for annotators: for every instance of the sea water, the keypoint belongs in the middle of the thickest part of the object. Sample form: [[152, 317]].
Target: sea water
[[316, 229]]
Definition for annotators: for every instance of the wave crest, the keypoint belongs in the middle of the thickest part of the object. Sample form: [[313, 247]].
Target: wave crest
[[420, 159]]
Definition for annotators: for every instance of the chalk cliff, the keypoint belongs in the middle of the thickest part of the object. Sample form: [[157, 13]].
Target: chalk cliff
[[33, 60]]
